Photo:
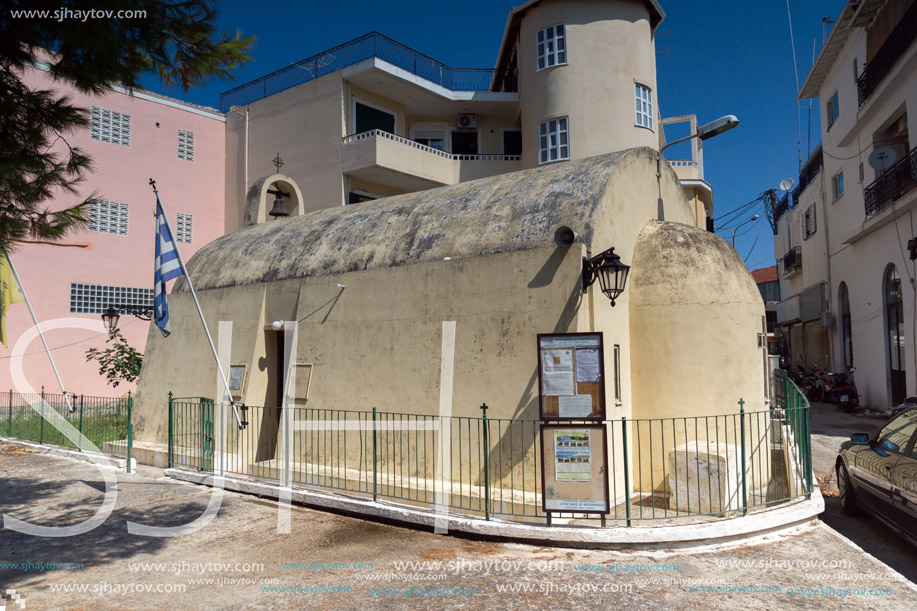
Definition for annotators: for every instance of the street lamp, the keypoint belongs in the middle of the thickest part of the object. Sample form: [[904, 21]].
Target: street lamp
[[610, 272], [733, 231], [704, 132], [112, 314]]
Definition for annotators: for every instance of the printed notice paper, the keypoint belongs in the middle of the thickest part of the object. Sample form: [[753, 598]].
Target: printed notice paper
[[587, 365], [557, 372], [574, 406], [572, 455]]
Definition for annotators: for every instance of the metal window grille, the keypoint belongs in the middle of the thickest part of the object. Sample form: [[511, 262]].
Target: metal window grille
[[108, 217], [110, 126], [95, 298], [644, 101], [185, 145], [553, 143], [184, 227], [551, 44]]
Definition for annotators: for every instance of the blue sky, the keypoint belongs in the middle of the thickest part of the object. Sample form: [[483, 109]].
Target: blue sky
[[725, 58]]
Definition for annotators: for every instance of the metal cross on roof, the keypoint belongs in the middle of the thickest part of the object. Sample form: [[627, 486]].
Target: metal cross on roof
[[277, 161]]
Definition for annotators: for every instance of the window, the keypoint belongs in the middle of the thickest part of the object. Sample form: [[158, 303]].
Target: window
[[358, 197], [895, 435], [108, 217], [644, 99], [184, 227], [512, 142], [617, 372], [367, 118], [832, 110], [94, 298], [109, 126], [551, 44], [185, 145], [837, 185], [846, 325], [809, 221], [552, 140]]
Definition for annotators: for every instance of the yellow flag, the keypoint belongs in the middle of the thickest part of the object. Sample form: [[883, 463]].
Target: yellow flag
[[9, 293]]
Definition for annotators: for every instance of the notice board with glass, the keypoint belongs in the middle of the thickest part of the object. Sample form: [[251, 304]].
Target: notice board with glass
[[571, 373], [575, 477]]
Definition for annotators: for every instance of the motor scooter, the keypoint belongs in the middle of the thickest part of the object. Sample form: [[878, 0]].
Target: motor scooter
[[845, 392]]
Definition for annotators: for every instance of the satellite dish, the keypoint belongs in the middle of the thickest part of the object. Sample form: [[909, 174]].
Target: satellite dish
[[882, 157], [564, 237], [786, 184]]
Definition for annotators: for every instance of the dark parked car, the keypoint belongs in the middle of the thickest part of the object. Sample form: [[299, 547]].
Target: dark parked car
[[878, 474]]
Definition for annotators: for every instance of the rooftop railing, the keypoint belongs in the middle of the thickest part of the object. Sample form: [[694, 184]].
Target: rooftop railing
[[372, 45], [891, 51]]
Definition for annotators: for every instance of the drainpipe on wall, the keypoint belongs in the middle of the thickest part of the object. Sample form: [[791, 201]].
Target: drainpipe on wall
[[245, 190]]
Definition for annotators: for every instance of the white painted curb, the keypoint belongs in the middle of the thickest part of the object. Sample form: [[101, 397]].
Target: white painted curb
[[103, 460], [616, 537]]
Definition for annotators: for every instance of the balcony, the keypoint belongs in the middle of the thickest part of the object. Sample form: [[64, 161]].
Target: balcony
[[379, 156], [888, 55], [808, 173], [895, 182], [372, 45], [792, 261], [783, 206]]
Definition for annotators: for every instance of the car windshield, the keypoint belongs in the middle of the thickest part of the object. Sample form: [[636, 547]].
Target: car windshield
[[895, 435]]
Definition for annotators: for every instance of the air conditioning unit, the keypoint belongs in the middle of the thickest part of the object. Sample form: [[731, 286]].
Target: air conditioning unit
[[467, 121]]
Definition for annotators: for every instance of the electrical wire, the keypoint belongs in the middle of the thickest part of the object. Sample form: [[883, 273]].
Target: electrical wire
[[755, 243], [82, 341]]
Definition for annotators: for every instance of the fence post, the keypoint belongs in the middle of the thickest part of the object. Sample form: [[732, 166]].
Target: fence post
[[79, 443], [626, 468], [130, 431], [374, 455], [10, 427], [808, 441], [744, 485], [170, 429], [41, 425], [486, 463]]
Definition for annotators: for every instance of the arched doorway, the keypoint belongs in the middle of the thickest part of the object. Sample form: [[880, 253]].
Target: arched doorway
[[894, 333]]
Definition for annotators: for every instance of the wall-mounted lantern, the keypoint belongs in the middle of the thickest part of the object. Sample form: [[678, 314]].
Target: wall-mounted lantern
[[610, 272], [112, 314]]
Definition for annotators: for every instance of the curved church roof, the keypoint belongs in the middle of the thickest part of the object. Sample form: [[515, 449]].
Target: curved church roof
[[504, 213]]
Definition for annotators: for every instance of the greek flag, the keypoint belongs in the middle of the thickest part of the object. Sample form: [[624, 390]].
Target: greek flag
[[167, 268]]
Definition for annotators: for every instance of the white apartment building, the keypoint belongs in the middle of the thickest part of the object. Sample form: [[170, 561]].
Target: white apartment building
[[846, 272], [373, 118]]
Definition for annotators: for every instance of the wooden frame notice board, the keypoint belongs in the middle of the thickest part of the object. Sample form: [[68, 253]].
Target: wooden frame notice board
[[571, 376], [574, 472]]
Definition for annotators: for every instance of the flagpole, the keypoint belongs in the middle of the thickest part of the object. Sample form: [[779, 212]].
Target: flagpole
[[25, 298], [181, 264]]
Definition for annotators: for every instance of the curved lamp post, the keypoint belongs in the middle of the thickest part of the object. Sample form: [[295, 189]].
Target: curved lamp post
[[733, 231]]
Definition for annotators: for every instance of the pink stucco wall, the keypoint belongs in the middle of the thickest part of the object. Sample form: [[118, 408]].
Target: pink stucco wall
[[121, 174]]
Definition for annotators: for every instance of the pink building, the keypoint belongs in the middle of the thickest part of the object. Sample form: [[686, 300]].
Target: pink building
[[130, 140]]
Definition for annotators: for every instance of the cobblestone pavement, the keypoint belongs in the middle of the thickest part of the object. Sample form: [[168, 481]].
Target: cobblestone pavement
[[328, 561]]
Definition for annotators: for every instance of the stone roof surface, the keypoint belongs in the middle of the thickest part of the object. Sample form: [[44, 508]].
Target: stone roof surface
[[505, 213]]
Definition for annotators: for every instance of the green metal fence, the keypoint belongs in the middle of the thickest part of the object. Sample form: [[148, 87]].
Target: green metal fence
[[104, 421], [658, 468]]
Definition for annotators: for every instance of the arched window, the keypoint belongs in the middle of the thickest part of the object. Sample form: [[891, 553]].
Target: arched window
[[894, 325], [843, 305]]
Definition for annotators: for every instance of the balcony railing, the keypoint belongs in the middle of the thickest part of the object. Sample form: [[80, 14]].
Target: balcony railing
[[792, 260], [895, 182], [808, 173], [891, 51], [378, 133], [682, 163], [783, 206], [353, 52]]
